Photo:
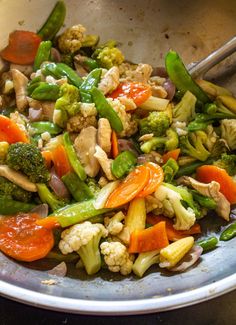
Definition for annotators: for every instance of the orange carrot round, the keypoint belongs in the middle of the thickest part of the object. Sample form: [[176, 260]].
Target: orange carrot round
[[61, 161], [22, 47], [208, 173], [23, 240], [10, 131], [137, 91], [171, 154], [156, 176], [129, 188]]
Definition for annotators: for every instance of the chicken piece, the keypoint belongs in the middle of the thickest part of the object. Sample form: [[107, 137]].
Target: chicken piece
[[212, 190], [110, 81], [25, 69], [85, 144], [128, 103], [104, 162], [79, 122], [141, 74], [20, 82], [46, 107], [104, 134]]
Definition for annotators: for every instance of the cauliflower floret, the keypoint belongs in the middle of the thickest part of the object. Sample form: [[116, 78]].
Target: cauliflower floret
[[129, 126], [109, 81], [114, 225], [84, 239], [180, 128], [88, 109], [71, 40], [212, 137], [108, 56], [228, 132], [79, 122], [141, 74], [117, 257]]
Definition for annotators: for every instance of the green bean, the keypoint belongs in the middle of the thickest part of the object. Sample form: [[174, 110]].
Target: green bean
[[229, 232], [204, 201], [123, 163], [78, 189], [54, 22], [190, 168], [45, 126], [46, 91], [208, 243], [43, 54]]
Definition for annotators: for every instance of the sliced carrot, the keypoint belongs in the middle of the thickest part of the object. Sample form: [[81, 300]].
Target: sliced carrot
[[171, 154], [129, 188], [149, 239], [137, 91], [47, 155], [61, 161], [48, 222], [10, 131], [156, 177], [114, 145], [22, 239], [208, 173], [22, 47], [172, 233]]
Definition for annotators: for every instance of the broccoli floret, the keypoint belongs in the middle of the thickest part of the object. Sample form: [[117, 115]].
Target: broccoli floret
[[71, 40], [184, 111], [168, 142], [144, 261], [108, 55], [67, 105], [170, 169], [156, 123], [28, 159], [228, 132], [12, 190], [90, 40], [48, 197], [227, 162], [193, 145], [84, 238]]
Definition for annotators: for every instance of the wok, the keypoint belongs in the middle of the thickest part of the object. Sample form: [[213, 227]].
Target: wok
[[146, 30]]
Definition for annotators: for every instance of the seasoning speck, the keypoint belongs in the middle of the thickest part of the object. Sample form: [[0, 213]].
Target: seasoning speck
[[49, 282]]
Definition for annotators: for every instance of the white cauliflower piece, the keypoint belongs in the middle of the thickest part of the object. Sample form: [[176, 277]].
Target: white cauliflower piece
[[212, 137], [109, 81], [129, 126], [141, 74], [180, 128], [228, 132], [72, 38], [114, 224], [117, 257], [88, 109]]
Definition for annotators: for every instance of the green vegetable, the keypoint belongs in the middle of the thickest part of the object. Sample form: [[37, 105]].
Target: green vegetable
[[93, 186], [184, 111], [229, 232], [193, 144], [208, 243], [33, 84], [68, 59], [72, 156], [11, 207], [144, 261], [108, 55], [190, 168], [28, 159], [45, 126], [77, 212], [168, 142], [156, 123], [92, 80], [105, 110], [46, 196], [54, 22], [46, 91], [204, 201], [78, 189], [67, 105], [170, 168], [227, 162], [43, 54], [87, 63], [13, 191], [90, 40], [123, 163], [59, 70], [181, 78], [4, 146]]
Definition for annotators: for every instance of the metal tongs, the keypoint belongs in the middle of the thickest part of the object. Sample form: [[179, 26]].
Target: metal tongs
[[198, 69]]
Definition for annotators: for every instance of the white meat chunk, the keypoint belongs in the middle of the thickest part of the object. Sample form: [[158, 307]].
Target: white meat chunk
[[20, 82], [104, 134], [110, 81]]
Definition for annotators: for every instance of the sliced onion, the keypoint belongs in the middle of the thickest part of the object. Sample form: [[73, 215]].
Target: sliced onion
[[160, 72], [55, 54], [189, 259], [104, 194], [170, 88], [35, 114], [124, 145], [41, 210], [58, 186], [59, 270]]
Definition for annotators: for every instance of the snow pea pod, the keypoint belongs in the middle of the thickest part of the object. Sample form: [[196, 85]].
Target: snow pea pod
[[208, 243], [46, 91], [45, 126], [90, 64], [78, 189], [72, 156], [91, 81], [106, 110], [181, 78], [54, 22], [190, 168], [123, 163], [33, 84], [10, 207], [229, 232], [43, 54]]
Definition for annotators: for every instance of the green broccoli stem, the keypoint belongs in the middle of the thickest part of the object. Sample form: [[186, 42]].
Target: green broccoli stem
[[92, 80], [48, 197], [153, 144], [77, 212], [90, 255], [9, 206], [144, 261], [46, 91], [190, 168], [45, 126], [43, 54], [170, 169], [78, 189], [73, 158]]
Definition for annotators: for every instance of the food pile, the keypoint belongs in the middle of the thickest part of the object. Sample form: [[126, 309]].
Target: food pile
[[106, 163]]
